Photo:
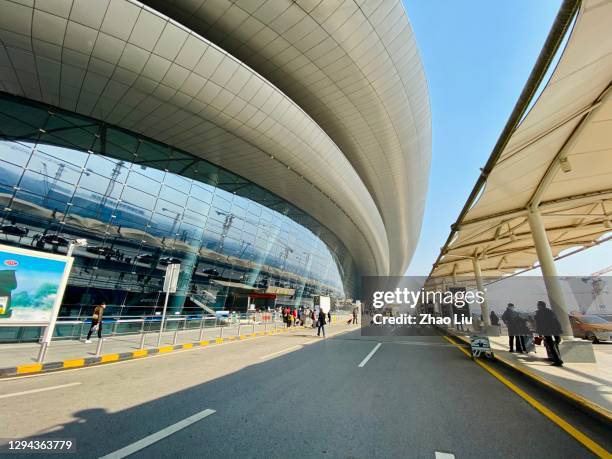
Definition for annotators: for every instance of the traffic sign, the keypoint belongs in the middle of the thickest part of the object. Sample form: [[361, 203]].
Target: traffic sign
[[171, 278], [480, 345]]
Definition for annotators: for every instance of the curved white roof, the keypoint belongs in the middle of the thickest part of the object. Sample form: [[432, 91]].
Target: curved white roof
[[354, 67], [127, 64]]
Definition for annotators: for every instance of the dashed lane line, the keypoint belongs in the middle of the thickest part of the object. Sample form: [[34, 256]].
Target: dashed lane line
[[369, 356], [157, 436]]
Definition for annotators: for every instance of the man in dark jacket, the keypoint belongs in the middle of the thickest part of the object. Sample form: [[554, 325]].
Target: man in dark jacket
[[510, 318], [549, 327], [321, 324]]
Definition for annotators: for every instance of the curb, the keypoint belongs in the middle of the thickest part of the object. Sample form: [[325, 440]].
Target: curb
[[38, 368], [580, 402]]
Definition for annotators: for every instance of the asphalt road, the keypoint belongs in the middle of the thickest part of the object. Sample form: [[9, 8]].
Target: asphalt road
[[285, 396]]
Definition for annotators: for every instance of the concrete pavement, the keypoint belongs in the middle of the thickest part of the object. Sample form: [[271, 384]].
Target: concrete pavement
[[290, 395]]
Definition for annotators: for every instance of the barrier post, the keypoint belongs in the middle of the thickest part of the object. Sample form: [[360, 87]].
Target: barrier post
[[202, 328], [142, 334], [99, 348], [176, 334]]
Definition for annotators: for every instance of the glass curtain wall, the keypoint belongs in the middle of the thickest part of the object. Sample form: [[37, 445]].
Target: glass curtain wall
[[143, 205]]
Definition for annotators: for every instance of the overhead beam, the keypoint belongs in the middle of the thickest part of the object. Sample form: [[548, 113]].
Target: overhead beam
[[584, 199]]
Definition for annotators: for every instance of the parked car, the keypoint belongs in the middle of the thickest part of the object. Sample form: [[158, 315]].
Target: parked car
[[591, 327]]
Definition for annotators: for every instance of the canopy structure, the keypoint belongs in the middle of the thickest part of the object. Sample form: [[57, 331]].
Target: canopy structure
[[552, 168]]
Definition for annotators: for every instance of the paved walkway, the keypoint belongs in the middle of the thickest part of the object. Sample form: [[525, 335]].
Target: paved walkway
[[12, 355], [590, 381]]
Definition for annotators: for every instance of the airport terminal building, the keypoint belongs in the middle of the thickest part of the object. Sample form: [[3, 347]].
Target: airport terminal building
[[276, 149]]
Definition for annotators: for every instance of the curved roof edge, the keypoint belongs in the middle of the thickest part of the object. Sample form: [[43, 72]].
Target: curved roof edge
[[354, 67], [110, 64]]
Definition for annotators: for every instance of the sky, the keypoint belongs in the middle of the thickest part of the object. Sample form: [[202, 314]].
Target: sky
[[477, 56]]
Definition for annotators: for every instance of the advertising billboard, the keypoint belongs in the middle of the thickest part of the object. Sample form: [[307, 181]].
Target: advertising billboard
[[31, 285]]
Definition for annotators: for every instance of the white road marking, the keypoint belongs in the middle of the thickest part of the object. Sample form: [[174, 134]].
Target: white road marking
[[282, 351], [440, 455], [369, 356], [157, 436], [43, 389]]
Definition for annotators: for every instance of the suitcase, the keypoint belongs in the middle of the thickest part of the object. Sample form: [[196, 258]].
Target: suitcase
[[529, 343]]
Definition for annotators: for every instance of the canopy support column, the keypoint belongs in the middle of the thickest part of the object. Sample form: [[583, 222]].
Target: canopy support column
[[484, 307], [549, 270]]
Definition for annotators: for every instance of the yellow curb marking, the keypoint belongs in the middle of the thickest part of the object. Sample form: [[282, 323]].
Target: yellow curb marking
[[109, 358], [187, 346], [30, 368], [74, 363], [204, 343], [218, 340], [575, 397], [166, 349], [140, 353], [570, 429]]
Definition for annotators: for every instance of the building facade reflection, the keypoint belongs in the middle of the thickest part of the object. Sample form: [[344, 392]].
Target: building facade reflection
[[143, 205]]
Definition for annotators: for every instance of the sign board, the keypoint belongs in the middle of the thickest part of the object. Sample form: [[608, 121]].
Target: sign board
[[479, 345], [171, 278], [323, 302], [32, 285], [281, 291]]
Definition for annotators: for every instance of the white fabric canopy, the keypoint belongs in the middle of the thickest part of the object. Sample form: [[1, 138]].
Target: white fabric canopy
[[572, 119]]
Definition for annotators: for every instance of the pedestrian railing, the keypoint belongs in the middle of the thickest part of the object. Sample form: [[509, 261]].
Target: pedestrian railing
[[140, 332]]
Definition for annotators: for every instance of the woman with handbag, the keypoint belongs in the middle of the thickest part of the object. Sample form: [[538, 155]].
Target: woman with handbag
[[96, 322]]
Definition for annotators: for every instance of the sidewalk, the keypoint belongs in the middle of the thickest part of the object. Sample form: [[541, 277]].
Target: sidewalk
[[21, 358], [588, 383]]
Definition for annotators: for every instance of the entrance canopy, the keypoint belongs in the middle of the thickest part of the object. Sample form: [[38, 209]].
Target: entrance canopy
[[556, 160]]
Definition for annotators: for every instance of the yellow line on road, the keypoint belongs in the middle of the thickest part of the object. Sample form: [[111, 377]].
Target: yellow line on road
[[570, 429]]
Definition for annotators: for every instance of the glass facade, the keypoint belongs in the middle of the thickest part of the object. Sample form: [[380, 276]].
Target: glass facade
[[143, 205]]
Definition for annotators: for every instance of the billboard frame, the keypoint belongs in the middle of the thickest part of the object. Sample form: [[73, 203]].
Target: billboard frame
[[61, 289]]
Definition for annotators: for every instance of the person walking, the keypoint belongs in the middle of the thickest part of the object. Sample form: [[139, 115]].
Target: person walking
[[510, 318], [96, 322], [321, 323], [355, 312], [549, 327]]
